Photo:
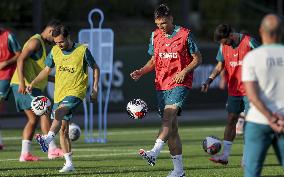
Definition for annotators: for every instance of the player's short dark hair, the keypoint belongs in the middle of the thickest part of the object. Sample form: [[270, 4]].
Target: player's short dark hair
[[53, 23], [61, 30], [222, 31], [162, 11]]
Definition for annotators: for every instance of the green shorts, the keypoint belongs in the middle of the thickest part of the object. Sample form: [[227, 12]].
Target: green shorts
[[71, 102], [175, 96], [237, 104], [23, 102], [4, 89]]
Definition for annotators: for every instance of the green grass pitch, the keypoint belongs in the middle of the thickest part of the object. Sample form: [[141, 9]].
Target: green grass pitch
[[118, 157]]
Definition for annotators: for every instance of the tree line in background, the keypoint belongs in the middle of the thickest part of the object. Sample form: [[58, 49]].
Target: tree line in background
[[132, 20]]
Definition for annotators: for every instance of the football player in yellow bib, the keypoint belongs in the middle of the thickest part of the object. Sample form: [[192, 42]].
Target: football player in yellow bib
[[71, 80], [29, 64]]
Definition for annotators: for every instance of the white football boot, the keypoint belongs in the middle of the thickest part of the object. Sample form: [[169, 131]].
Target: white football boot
[[176, 174], [67, 168]]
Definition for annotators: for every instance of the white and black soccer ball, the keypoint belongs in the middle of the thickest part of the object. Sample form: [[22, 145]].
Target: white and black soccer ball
[[212, 145], [40, 105], [74, 132], [137, 109]]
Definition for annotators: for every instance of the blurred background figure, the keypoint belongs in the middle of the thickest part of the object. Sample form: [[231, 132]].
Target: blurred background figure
[[262, 74], [10, 50]]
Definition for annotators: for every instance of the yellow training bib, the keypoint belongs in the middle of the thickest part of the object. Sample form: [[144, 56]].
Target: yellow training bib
[[33, 67], [71, 79]]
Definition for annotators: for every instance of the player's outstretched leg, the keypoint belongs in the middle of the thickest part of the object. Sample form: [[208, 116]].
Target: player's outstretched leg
[[40, 139], [53, 151], [148, 156], [152, 155]]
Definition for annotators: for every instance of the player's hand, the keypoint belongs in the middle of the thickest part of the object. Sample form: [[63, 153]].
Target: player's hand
[[179, 78], [206, 84], [136, 74], [280, 121], [94, 95], [3, 64], [204, 87], [29, 88], [274, 124], [22, 89]]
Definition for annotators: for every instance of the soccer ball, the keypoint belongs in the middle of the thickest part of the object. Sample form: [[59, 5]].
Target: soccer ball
[[136, 109], [74, 132], [212, 145], [40, 105]]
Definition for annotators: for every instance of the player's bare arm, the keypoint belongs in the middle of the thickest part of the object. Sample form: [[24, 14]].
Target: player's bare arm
[[42, 75], [196, 61], [148, 67], [13, 60], [32, 46], [96, 76], [217, 70], [252, 92]]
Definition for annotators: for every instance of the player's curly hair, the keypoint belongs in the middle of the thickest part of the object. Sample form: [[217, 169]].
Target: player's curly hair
[[162, 11], [222, 31]]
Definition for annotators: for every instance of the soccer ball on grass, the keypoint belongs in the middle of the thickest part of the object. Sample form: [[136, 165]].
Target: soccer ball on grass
[[212, 145]]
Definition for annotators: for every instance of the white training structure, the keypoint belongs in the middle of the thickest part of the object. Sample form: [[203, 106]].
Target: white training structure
[[100, 43]]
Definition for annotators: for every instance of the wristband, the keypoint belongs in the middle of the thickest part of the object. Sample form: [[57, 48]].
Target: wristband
[[209, 81]]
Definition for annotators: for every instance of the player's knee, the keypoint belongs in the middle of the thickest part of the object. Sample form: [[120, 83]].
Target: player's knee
[[33, 121], [170, 113], [232, 119], [60, 113]]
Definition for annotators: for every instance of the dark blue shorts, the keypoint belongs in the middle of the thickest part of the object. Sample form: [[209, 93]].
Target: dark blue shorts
[[237, 104]]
